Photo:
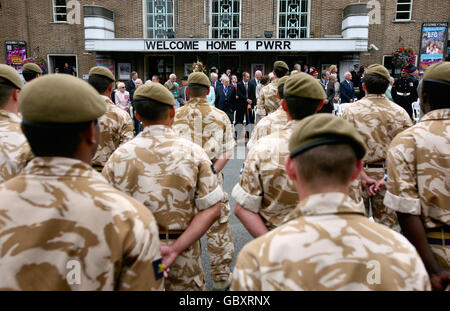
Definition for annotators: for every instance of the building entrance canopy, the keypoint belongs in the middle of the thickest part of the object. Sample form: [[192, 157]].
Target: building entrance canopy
[[221, 45]]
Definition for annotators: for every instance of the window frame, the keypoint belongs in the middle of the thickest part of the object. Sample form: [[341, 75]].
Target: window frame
[[411, 2], [54, 14], [211, 18], [308, 22], [145, 21]]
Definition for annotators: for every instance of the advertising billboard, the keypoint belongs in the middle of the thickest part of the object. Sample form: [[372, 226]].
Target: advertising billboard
[[433, 44]]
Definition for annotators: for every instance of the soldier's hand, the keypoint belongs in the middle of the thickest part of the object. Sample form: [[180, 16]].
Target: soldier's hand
[[168, 255], [377, 187], [441, 280], [367, 182]]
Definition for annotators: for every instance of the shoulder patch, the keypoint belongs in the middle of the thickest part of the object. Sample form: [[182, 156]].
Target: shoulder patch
[[158, 268], [213, 169]]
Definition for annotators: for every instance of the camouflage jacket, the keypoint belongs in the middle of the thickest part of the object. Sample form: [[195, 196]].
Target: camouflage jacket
[[264, 186], [329, 244], [268, 101], [270, 124], [207, 126], [62, 227], [419, 170], [171, 176], [116, 128], [378, 120], [15, 152]]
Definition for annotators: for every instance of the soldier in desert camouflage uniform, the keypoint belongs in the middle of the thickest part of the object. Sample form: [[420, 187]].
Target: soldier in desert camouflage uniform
[[327, 243], [378, 120], [418, 185], [210, 128], [14, 149], [116, 126], [173, 177], [265, 194], [62, 227], [274, 121], [268, 101]]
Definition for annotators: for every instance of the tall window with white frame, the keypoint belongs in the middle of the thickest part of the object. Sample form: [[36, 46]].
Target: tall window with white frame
[[293, 19], [225, 19], [159, 19], [59, 11], [403, 10]]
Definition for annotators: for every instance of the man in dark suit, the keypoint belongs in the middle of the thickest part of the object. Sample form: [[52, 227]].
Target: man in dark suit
[[183, 95], [131, 84], [226, 98], [214, 82], [252, 84], [346, 90]]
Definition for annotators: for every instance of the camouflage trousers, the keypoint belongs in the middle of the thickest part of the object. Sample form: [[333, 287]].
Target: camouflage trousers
[[186, 273], [380, 213], [219, 241]]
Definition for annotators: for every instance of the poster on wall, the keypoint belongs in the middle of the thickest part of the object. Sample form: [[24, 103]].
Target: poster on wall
[[433, 44], [106, 62], [256, 67], [124, 71], [16, 53]]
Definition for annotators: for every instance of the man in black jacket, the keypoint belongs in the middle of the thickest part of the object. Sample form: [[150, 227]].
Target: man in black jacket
[[130, 85], [245, 103], [226, 98]]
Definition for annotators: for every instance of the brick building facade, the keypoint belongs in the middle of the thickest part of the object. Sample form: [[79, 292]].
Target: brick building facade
[[107, 28]]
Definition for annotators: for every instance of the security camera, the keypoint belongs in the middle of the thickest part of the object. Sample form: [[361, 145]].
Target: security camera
[[373, 47]]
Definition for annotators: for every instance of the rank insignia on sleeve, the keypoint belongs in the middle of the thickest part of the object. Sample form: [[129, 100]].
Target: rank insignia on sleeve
[[158, 268], [213, 169]]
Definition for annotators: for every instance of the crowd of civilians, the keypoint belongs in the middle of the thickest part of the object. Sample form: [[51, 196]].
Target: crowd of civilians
[[237, 93]]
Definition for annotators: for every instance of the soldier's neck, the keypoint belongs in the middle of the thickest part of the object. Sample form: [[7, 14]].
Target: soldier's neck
[[12, 107]]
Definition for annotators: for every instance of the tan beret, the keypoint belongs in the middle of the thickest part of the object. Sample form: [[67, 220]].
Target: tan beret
[[378, 70], [323, 129], [438, 72], [102, 71], [9, 75], [32, 67], [282, 81], [60, 98], [280, 63], [305, 86], [155, 91], [199, 78]]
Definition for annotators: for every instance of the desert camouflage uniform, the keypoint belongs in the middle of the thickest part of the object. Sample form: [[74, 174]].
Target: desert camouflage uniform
[[270, 124], [116, 128], [264, 186], [378, 120], [419, 177], [210, 128], [173, 178], [268, 101], [14, 149], [59, 219], [329, 245]]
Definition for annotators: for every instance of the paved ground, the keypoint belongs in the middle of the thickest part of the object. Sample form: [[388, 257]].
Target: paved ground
[[239, 233]]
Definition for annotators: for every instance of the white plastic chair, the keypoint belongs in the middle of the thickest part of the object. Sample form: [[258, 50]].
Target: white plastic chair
[[416, 111], [341, 109]]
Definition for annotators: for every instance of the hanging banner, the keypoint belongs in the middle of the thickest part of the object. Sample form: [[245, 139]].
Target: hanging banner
[[16, 53], [433, 44]]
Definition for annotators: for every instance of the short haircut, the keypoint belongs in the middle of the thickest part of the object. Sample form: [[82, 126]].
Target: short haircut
[[29, 75], [265, 79], [326, 165], [54, 140], [133, 73], [375, 84], [281, 91], [213, 74], [6, 92], [100, 83], [299, 107], [297, 67], [197, 90], [172, 75], [280, 71], [151, 110], [435, 94]]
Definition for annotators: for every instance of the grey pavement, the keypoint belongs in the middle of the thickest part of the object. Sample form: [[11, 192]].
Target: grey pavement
[[239, 233]]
